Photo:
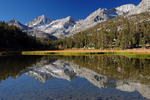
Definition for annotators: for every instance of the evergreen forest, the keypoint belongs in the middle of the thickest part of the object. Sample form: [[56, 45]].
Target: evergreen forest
[[12, 38]]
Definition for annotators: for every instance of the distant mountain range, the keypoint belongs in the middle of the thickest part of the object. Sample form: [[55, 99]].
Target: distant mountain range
[[43, 27]]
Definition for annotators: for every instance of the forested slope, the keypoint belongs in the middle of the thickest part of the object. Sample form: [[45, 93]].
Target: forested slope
[[12, 38], [121, 32]]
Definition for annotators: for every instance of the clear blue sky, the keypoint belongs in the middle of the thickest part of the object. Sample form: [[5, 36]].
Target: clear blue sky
[[27, 10]]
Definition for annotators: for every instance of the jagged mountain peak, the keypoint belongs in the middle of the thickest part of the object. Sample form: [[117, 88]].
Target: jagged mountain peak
[[14, 21], [18, 24], [101, 9], [40, 20], [98, 15], [42, 17], [69, 18], [98, 11]]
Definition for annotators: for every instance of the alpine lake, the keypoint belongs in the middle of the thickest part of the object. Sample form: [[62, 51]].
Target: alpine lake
[[74, 77]]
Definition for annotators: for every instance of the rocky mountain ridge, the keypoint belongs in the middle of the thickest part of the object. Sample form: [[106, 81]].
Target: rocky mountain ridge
[[68, 26], [41, 20], [18, 24], [30, 30]]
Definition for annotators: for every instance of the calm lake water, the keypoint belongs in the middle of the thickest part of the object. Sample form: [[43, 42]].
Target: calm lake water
[[103, 77]]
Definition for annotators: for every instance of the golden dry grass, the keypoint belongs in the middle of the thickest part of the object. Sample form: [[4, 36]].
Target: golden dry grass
[[132, 53], [147, 51]]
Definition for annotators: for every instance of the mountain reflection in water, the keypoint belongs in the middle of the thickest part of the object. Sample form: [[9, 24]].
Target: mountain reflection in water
[[105, 71]]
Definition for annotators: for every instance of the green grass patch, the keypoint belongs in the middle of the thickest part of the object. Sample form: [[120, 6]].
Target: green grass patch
[[138, 56], [36, 53], [131, 54]]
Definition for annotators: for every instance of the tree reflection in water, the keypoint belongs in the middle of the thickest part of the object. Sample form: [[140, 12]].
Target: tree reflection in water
[[103, 71]]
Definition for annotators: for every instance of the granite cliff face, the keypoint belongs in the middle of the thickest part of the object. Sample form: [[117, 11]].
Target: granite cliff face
[[46, 70]]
